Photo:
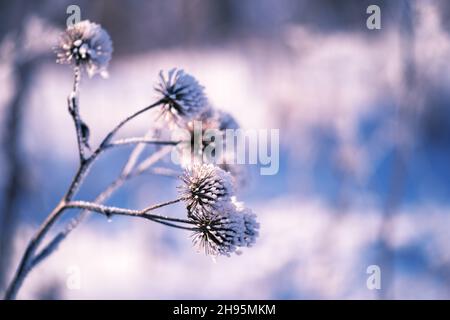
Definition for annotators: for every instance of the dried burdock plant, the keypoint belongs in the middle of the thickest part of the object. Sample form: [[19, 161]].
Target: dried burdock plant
[[85, 44], [219, 224], [223, 231], [181, 95], [206, 188]]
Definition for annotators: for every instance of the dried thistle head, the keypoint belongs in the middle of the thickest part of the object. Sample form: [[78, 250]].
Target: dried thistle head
[[251, 230], [183, 97], [212, 120], [205, 188], [225, 231], [204, 132], [219, 121], [225, 121], [85, 44]]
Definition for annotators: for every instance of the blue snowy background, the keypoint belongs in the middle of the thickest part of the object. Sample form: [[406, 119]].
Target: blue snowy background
[[364, 172]]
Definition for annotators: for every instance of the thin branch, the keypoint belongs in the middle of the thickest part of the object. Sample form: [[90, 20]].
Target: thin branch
[[167, 172], [54, 243], [48, 250], [76, 79], [102, 197], [160, 205], [135, 154], [125, 175], [147, 163], [28, 256], [109, 211], [143, 140], [74, 111], [110, 135], [24, 266], [81, 173], [174, 225], [85, 164]]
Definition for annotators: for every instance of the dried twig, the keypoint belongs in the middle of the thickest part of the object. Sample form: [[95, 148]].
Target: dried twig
[[26, 262], [125, 175]]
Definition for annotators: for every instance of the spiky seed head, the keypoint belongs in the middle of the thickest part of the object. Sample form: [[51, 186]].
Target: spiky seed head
[[87, 45], [225, 231], [205, 188], [182, 96]]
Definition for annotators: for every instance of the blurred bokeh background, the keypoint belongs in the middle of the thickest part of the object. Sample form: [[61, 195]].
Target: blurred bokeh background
[[364, 119]]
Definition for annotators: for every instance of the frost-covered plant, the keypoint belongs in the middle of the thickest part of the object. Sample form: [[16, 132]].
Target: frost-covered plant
[[85, 44], [206, 188], [211, 121], [183, 98], [219, 224], [204, 131], [224, 231]]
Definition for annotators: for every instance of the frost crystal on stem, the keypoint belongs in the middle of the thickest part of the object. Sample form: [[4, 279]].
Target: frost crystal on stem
[[205, 188], [183, 96], [85, 44]]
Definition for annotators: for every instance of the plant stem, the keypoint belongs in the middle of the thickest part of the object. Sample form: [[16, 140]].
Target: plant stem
[[85, 164], [24, 266], [123, 122], [74, 111], [173, 225], [144, 140], [25, 263], [108, 211], [125, 175]]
